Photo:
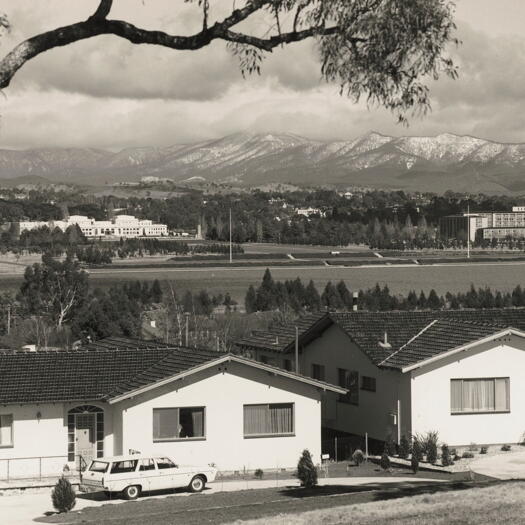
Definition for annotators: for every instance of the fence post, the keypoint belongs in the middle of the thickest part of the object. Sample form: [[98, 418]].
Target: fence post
[[8, 470], [366, 445], [336, 449], [40, 468]]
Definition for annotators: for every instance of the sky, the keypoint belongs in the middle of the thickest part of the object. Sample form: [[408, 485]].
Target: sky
[[107, 93]]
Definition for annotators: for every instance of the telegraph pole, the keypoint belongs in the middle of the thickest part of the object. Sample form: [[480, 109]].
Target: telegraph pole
[[231, 252], [468, 230]]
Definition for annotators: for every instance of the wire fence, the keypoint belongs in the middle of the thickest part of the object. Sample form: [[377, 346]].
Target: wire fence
[[39, 468]]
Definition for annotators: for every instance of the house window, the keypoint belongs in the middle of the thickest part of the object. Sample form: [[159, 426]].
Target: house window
[[287, 364], [368, 383], [268, 420], [6, 430], [349, 379], [318, 372], [480, 395], [178, 423]]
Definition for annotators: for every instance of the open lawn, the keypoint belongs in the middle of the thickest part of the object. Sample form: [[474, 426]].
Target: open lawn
[[373, 502], [494, 504]]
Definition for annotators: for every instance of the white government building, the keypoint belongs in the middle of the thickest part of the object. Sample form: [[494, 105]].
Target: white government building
[[120, 226]]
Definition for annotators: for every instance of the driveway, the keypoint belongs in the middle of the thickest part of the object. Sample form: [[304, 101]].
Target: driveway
[[23, 508], [506, 465]]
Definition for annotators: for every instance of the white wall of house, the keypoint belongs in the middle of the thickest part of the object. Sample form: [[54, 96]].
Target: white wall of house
[[431, 403], [223, 391], [373, 414], [40, 445]]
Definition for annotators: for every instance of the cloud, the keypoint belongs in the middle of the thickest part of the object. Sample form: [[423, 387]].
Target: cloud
[[106, 92]]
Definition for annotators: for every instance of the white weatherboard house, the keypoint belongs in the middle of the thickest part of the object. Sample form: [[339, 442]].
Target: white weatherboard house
[[461, 373], [120, 396]]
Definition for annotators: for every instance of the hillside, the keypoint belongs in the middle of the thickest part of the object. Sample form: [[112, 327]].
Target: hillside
[[439, 163]]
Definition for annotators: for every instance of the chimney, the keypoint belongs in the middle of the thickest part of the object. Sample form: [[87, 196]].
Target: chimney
[[354, 301]]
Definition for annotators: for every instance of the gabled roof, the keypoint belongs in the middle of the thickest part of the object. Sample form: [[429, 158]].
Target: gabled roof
[[412, 336], [105, 370]]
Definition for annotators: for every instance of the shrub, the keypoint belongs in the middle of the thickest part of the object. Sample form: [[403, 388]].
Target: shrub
[[385, 461], [505, 448], [467, 455], [446, 459], [63, 495], [456, 457], [404, 447], [416, 455], [306, 471], [428, 443], [358, 457], [432, 452], [484, 450], [390, 446], [259, 473]]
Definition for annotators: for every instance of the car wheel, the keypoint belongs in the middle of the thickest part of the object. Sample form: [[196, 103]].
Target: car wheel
[[197, 484], [132, 492]]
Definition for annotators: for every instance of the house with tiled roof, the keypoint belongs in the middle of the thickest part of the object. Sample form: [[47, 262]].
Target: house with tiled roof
[[461, 373], [117, 396]]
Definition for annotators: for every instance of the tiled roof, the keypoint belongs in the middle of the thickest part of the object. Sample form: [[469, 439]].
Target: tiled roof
[[368, 329], [281, 338], [440, 336]]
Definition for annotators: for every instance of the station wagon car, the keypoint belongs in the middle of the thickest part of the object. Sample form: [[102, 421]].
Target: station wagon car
[[131, 475]]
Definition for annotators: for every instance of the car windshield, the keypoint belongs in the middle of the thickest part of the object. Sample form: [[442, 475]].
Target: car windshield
[[98, 466]]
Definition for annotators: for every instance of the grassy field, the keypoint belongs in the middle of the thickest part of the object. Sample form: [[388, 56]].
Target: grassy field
[[400, 279], [404, 502], [503, 503]]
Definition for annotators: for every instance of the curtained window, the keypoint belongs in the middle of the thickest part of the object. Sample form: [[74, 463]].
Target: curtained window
[[6, 430], [271, 419], [178, 423], [480, 395], [349, 379]]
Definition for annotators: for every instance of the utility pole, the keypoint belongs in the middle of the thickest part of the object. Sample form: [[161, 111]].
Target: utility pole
[[186, 341], [231, 253], [468, 230], [8, 319], [296, 349]]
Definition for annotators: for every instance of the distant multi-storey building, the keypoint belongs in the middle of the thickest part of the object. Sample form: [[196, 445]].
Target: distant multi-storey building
[[490, 225], [126, 226]]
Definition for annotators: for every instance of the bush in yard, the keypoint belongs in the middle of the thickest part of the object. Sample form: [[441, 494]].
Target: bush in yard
[[306, 471], [385, 461], [446, 459], [358, 457], [484, 450], [416, 456], [505, 448], [427, 441], [390, 446], [467, 455], [63, 495], [404, 448], [259, 473], [432, 452]]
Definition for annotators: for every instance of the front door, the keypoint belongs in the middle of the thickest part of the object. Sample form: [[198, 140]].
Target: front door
[[85, 435]]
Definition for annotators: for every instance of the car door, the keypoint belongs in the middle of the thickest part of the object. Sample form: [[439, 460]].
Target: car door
[[148, 474], [166, 473]]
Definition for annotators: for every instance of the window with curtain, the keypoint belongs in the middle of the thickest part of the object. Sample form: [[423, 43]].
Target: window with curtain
[[270, 419], [480, 395], [349, 379], [6, 430], [178, 423]]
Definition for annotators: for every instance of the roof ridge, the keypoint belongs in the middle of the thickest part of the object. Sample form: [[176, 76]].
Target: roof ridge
[[422, 331]]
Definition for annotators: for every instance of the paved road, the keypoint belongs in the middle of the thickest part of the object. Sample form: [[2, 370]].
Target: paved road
[[23, 508], [501, 466]]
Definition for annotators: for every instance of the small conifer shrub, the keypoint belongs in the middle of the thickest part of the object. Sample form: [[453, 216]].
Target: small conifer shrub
[[404, 448], [416, 456], [385, 461], [358, 457], [446, 459], [390, 446], [259, 473], [63, 495], [306, 471]]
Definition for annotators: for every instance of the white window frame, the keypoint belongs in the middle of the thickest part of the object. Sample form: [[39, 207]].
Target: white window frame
[[265, 435], [486, 411], [169, 439], [11, 444]]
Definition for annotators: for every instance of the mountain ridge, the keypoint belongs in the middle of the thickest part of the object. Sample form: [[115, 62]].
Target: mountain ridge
[[414, 163]]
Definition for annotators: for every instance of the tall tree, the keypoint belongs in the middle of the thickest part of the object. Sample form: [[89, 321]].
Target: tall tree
[[383, 50]]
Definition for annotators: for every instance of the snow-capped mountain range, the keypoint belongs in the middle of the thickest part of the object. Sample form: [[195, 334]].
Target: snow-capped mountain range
[[439, 163]]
